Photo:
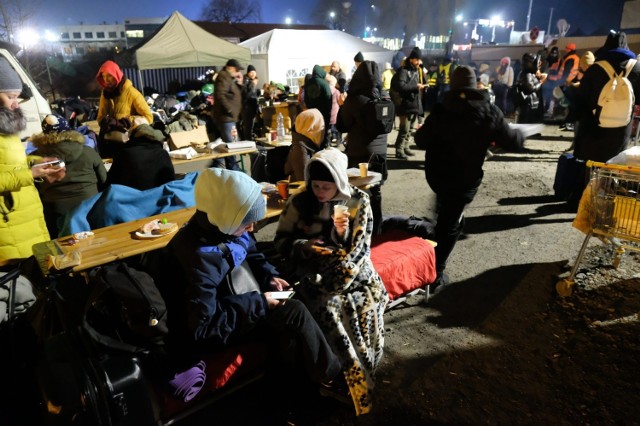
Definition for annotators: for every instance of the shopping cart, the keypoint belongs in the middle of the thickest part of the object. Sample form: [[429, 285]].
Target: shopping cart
[[614, 213]]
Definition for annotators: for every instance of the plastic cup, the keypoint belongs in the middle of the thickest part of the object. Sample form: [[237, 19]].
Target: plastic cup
[[364, 169], [340, 210], [283, 189]]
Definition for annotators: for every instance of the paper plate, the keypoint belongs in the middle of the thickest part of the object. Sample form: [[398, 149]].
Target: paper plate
[[147, 236]]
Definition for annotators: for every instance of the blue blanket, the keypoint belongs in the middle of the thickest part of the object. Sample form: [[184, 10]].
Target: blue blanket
[[119, 204]]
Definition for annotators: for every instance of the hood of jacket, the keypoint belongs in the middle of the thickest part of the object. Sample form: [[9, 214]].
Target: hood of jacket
[[226, 196], [144, 132], [318, 72], [336, 162], [365, 80], [470, 102], [113, 70], [67, 145], [310, 124], [529, 63]]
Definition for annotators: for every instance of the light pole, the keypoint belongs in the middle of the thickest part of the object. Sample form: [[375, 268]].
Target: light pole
[[550, 18], [529, 15], [332, 16]]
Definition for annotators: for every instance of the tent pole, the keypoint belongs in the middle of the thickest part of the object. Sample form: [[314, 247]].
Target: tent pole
[[141, 81]]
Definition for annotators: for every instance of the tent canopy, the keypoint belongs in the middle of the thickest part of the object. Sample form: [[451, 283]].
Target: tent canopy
[[179, 43], [285, 55]]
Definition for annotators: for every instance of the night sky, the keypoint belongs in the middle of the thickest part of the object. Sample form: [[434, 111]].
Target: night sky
[[588, 15]]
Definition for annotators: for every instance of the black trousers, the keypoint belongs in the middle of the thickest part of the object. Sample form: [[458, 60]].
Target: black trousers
[[450, 205]]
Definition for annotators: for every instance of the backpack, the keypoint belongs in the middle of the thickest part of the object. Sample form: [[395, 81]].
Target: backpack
[[616, 98], [379, 115], [125, 310]]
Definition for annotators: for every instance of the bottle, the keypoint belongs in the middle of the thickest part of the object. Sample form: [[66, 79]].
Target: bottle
[[234, 134], [280, 127]]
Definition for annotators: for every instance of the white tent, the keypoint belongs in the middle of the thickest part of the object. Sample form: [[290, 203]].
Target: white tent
[[284, 55], [180, 43]]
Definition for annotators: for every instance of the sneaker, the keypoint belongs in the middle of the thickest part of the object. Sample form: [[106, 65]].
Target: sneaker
[[441, 281], [400, 155], [569, 127], [408, 152], [336, 389]]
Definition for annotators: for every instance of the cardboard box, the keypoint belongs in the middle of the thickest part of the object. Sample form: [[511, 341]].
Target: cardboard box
[[179, 140]]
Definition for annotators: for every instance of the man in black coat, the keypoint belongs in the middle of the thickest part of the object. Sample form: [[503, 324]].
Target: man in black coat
[[407, 85], [456, 135]]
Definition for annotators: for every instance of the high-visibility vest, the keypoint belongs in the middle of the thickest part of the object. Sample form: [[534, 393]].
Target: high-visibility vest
[[574, 68], [445, 70], [433, 79], [555, 75]]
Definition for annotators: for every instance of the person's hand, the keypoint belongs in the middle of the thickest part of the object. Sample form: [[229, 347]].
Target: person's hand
[[278, 284], [307, 248], [271, 302], [55, 173], [341, 223]]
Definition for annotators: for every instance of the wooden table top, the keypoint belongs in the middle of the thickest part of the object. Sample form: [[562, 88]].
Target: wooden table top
[[204, 160]]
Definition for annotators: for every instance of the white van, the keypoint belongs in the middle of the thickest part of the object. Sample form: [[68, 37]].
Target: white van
[[36, 107]]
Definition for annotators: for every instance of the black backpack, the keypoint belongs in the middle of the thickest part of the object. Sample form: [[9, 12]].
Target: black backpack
[[379, 116], [125, 310]]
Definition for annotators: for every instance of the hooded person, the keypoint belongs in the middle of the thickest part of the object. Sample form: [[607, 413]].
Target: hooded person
[[119, 99], [317, 94], [142, 163], [331, 253], [358, 59], [459, 131], [364, 145], [529, 83], [504, 80], [22, 223], [85, 173], [307, 138], [215, 252]]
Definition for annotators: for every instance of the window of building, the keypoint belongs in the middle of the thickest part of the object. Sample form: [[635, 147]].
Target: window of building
[[295, 78], [135, 34], [88, 35], [64, 36], [100, 34], [77, 35], [103, 49], [68, 51], [121, 34], [80, 50], [113, 34]]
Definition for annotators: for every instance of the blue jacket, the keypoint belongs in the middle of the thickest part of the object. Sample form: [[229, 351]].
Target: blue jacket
[[213, 314]]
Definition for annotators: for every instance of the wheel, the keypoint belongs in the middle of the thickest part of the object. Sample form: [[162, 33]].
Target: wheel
[[564, 287]]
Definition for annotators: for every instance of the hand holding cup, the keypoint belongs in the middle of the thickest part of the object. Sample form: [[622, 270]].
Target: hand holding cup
[[341, 219]]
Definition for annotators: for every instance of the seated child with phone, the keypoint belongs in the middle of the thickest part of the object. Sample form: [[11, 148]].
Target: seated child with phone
[[325, 231]]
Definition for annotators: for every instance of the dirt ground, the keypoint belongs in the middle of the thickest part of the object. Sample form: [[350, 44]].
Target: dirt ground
[[498, 345]]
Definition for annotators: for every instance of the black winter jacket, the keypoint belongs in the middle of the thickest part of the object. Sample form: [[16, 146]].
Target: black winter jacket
[[457, 134], [593, 142], [351, 118], [407, 86]]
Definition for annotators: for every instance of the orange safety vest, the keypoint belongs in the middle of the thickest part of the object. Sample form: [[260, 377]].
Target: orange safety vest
[[554, 67], [574, 68]]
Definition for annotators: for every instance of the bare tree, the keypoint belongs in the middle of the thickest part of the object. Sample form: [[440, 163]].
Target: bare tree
[[14, 14], [232, 11]]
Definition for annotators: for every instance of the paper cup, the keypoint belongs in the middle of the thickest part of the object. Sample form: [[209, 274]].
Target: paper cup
[[267, 136], [283, 189], [364, 169], [340, 210]]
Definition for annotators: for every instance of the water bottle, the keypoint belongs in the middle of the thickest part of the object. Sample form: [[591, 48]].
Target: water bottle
[[280, 127], [234, 134]]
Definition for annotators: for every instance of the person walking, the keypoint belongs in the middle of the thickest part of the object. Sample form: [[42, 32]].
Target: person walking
[[227, 106], [456, 135], [408, 87], [317, 94]]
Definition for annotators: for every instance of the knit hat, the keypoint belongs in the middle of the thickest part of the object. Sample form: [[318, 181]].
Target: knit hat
[[416, 53], [53, 123], [9, 79], [250, 68], [229, 198], [586, 60], [358, 58], [570, 47], [387, 66], [463, 77], [310, 123], [318, 171]]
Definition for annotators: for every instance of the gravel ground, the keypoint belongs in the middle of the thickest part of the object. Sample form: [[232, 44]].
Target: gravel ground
[[498, 345]]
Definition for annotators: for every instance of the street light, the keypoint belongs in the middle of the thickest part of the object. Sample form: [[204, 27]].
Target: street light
[[287, 20]]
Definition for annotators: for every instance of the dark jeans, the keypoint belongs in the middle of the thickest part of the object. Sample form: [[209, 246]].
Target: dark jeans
[[377, 163], [450, 207], [232, 162], [292, 325]]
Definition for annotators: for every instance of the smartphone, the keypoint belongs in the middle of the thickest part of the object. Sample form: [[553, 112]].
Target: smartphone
[[55, 164], [282, 295]]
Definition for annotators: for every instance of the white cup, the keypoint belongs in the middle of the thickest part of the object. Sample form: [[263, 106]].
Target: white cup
[[364, 169], [339, 210]]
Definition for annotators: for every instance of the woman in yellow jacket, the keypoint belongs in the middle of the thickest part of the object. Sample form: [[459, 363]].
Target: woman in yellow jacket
[[119, 99], [21, 218]]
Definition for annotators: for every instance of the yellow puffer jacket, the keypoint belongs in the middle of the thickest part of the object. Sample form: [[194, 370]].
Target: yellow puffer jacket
[[21, 219], [129, 103]]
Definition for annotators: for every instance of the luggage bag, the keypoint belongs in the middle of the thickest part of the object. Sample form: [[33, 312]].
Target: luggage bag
[[569, 180]]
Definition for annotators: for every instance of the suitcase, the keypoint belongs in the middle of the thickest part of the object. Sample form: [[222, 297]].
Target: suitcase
[[570, 179], [83, 388]]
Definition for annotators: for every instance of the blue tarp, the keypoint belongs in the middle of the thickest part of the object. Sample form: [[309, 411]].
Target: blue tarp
[[119, 204]]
